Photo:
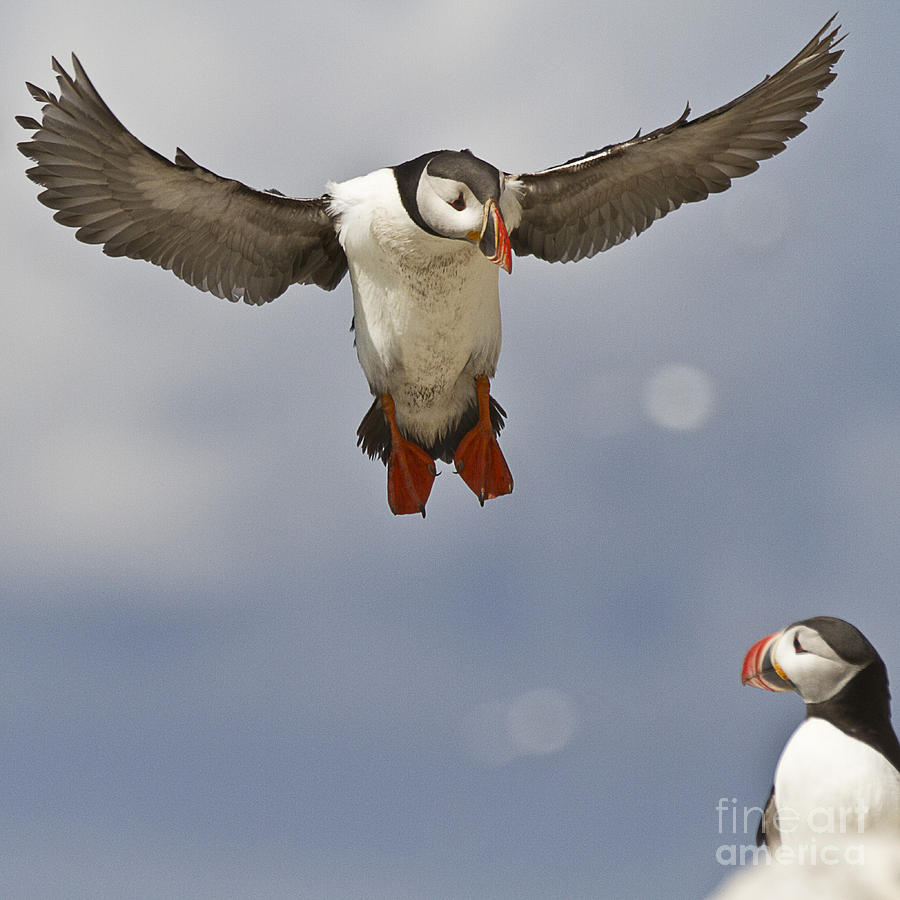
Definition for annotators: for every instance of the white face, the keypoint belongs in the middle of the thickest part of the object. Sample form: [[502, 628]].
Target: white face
[[449, 207], [815, 670]]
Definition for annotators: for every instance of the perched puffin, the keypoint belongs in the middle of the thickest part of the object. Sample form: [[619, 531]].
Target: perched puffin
[[423, 241], [839, 774]]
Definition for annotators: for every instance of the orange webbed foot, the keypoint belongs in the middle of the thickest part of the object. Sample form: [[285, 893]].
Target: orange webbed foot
[[410, 470], [410, 477], [478, 458], [480, 463]]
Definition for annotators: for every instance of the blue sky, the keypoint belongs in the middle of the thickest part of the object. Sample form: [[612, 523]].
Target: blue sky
[[228, 669]]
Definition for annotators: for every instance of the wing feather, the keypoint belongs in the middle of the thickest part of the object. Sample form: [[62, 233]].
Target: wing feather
[[596, 201], [215, 233], [767, 831]]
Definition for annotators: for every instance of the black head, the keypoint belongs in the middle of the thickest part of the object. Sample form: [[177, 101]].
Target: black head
[[845, 639], [455, 195], [458, 166]]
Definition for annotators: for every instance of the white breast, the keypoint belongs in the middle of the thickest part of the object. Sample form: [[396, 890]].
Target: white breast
[[426, 309], [828, 783]]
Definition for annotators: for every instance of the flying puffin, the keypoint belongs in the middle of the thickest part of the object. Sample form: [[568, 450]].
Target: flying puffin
[[423, 241], [839, 773]]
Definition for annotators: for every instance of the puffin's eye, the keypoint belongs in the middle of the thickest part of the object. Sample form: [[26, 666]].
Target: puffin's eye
[[797, 647], [459, 203]]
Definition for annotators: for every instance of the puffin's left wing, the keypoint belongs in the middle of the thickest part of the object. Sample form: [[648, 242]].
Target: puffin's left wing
[[215, 233], [594, 202]]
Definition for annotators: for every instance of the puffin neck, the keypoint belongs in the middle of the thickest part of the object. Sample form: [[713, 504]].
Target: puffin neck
[[862, 709]]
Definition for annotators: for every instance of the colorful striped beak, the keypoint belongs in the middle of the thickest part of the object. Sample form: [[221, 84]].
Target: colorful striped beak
[[761, 670], [494, 240]]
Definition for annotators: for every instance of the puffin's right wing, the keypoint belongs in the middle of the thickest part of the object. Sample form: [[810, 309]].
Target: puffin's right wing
[[215, 233], [589, 204], [767, 832]]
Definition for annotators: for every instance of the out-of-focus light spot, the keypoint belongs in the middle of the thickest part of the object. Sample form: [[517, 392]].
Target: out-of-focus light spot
[[678, 397], [541, 721], [538, 722]]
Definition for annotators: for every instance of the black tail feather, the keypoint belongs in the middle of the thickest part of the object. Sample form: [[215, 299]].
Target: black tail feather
[[374, 434]]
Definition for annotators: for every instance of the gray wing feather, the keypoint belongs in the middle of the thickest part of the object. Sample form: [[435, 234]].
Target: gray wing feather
[[215, 233], [598, 200]]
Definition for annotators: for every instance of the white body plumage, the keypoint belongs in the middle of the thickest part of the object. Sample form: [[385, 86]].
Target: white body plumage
[[426, 310], [830, 785]]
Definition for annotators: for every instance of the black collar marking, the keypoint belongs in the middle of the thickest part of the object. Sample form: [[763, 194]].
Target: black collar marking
[[407, 176], [862, 709]]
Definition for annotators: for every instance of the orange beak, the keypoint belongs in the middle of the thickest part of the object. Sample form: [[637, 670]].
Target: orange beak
[[494, 239], [760, 670]]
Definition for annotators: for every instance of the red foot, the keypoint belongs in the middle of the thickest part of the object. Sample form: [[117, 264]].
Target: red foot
[[478, 458], [410, 469], [481, 465], [410, 477]]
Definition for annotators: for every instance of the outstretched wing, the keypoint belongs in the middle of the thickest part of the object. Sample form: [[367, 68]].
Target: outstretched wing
[[594, 202], [215, 233]]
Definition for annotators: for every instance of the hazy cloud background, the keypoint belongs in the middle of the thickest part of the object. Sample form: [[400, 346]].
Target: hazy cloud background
[[228, 670]]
